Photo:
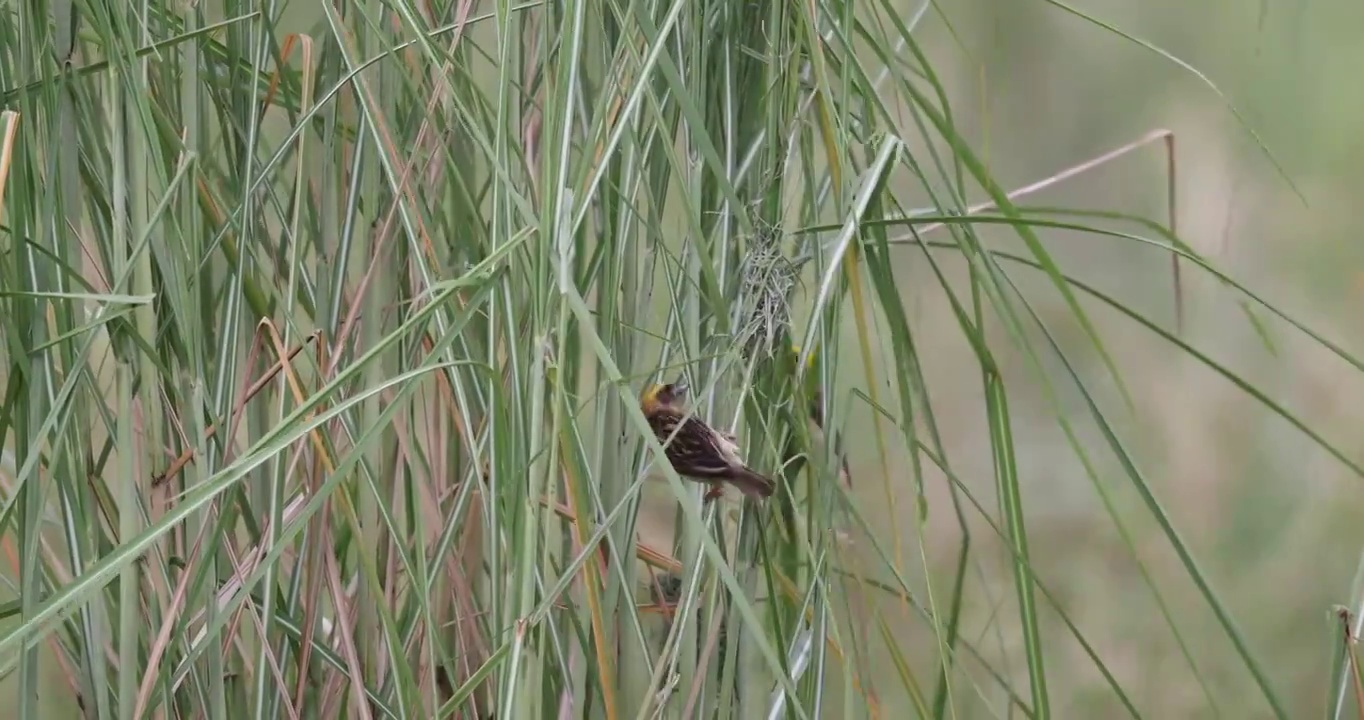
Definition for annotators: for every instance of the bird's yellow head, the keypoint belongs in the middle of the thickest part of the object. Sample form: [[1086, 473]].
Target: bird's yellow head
[[809, 376], [810, 361], [665, 395]]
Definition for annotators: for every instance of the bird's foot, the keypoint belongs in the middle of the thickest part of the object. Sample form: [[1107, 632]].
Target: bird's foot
[[714, 492]]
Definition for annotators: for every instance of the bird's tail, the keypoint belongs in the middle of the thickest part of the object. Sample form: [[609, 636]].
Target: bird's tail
[[751, 483]]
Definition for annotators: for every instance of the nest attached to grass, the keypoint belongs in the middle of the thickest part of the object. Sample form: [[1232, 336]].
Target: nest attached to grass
[[767, 278]]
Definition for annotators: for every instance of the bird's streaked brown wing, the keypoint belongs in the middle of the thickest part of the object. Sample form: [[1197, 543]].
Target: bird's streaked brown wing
[[693, 450]]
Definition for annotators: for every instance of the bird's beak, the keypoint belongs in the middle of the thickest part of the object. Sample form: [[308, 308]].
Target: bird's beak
[[680, 389]]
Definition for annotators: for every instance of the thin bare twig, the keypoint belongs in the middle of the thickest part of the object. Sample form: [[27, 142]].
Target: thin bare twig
[[1162, 135]]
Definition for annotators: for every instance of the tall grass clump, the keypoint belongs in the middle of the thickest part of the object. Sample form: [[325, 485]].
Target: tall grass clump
[[324, 325]]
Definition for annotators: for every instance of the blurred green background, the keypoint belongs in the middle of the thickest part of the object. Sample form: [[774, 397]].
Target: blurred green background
[[1274, 521]]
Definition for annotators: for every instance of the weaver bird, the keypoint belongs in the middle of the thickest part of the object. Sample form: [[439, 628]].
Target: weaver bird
[[696, 450], [815, 425]]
